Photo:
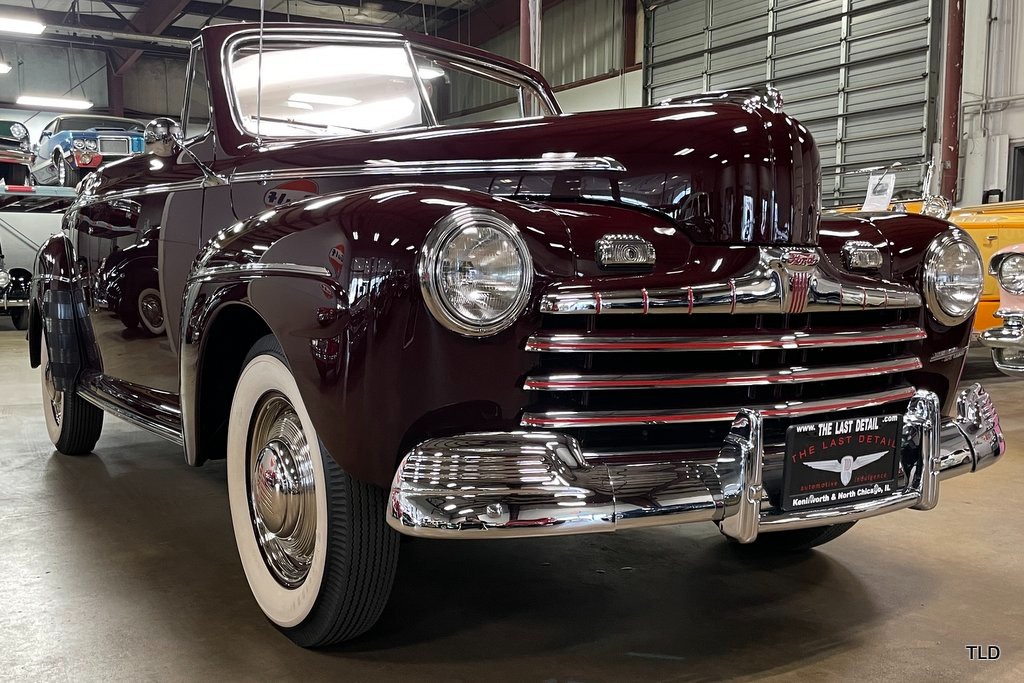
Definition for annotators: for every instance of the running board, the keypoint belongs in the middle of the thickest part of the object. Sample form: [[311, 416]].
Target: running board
[[156, 411]]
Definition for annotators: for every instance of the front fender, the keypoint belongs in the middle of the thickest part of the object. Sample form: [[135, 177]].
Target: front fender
[[334, 279], [58, 300], [903, 240]]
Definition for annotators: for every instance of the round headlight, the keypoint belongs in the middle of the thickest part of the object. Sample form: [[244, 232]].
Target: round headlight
[[5, 278], [475, 272], [1011, 274], [90, 144], [953, 277], [78, 143], [19, 131]]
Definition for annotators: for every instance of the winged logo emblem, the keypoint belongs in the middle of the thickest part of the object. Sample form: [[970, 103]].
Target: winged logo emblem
[[847, 466]]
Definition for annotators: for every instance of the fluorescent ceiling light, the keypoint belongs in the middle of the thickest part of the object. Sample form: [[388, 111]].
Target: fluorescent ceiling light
[[21, 26], [313, 98], [5, 68], [54, 102], [428, 73]]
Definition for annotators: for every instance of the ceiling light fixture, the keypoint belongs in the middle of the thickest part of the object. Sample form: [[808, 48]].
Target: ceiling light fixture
[[5, 68], [53, 102], [10, 25]]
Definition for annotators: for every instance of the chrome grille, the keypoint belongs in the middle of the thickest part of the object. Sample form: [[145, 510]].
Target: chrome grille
[[114, 146]]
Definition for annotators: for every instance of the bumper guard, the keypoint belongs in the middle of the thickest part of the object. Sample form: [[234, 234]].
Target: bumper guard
[[1007, 343], [521, 484]]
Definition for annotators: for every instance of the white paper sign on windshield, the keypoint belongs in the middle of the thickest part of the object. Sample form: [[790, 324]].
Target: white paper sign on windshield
[[879, 194]]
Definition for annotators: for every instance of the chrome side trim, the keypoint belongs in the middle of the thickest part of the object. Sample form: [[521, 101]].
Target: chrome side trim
[[566, 419], [454, 166], [526, 484], [590, 343], [777, 283], [742, 378], [254, 269]]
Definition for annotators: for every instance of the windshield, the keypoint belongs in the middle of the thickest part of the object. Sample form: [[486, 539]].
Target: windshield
[[85, 123], [309, 89]]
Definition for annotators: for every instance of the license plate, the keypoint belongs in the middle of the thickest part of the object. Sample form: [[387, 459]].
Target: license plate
[[840, 461]]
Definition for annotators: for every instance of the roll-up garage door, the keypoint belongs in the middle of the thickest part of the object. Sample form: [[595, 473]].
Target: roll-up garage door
[[861, 75]]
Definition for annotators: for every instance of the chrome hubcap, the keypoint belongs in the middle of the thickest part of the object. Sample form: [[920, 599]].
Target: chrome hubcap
[[56, 397], [152, 311], [282, 491]]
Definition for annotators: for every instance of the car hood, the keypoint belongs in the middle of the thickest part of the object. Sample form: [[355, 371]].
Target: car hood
[[724, 172]]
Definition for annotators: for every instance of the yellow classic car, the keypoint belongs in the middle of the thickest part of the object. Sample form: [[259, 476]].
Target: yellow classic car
[[994, 227]]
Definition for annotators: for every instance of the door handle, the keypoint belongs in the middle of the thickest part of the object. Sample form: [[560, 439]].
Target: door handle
[[990, 238]]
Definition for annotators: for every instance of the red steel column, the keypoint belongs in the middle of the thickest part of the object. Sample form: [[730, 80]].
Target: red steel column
[[952, 82], [525, 33]]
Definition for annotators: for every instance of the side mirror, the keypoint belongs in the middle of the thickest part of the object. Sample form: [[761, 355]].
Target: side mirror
[[162, 136]]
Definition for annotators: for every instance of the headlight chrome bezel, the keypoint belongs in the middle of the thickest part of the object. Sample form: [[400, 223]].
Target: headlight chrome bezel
[[78, 143], [92, 145], [429, 261], [996, 269], [5, 278], [19, 131], [933, 299]]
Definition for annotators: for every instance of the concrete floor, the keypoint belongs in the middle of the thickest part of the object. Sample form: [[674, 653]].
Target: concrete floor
[[121, 565]]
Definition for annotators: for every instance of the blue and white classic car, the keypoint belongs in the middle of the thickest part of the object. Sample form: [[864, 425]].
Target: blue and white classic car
[[72, 146]]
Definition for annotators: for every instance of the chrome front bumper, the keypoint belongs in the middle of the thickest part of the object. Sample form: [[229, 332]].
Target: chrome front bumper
[[1007, 343], [518, 484]]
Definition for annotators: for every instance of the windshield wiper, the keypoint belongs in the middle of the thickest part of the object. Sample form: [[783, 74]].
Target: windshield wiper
[[315, 126]]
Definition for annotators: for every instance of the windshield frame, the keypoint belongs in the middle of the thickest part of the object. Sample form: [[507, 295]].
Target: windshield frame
[[486, 68]]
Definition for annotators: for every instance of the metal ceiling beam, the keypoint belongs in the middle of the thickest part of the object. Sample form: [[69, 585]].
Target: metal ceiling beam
[[205, 8], [152, 18], [63, 22]]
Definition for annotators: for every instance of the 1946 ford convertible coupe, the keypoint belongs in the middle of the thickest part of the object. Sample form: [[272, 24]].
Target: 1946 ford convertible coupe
[[402, 293]]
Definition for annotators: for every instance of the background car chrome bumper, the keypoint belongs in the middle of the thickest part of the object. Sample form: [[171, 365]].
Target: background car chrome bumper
[[518, 484], [1007, 343], [7, 304]]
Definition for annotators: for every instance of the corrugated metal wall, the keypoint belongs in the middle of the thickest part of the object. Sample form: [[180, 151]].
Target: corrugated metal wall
[[579, 39], [860, 74]]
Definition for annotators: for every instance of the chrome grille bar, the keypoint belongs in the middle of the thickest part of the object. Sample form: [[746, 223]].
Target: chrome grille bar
[[788, 375], [772, 285], [565, 419], [593, 343]]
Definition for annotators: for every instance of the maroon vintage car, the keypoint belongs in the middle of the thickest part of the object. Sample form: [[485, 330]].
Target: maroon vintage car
[[402, 293]]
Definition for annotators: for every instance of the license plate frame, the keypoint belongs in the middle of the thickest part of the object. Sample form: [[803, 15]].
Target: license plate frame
[[837, 462]]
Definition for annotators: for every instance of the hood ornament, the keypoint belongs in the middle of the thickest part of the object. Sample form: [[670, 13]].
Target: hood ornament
[[624, 252]]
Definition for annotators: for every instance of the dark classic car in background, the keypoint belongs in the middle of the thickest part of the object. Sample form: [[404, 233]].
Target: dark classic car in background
[[14, 293], [15, 152], [407, 295], [73, 145]]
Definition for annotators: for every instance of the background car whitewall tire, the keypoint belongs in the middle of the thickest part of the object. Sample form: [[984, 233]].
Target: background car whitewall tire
[[344, 583]]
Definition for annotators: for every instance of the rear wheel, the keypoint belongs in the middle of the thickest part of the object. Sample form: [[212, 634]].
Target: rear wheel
[[797, 540], [151, 310], [19, 316], [314, 543], [73, 424]]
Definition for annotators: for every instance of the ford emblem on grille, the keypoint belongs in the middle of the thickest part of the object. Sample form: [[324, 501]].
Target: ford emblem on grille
[[624, 252], [800, 260], [799, 267]]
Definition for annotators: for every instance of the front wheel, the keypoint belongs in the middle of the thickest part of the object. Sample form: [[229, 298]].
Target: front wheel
[[73, 424], [316, 549], [797, 540], [67, 175]]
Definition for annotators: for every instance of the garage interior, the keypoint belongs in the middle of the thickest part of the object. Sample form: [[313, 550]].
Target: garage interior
[[122, 564]]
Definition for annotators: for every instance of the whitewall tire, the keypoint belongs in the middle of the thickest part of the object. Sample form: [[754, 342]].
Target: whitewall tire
[[316, 549], [72, 423]]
